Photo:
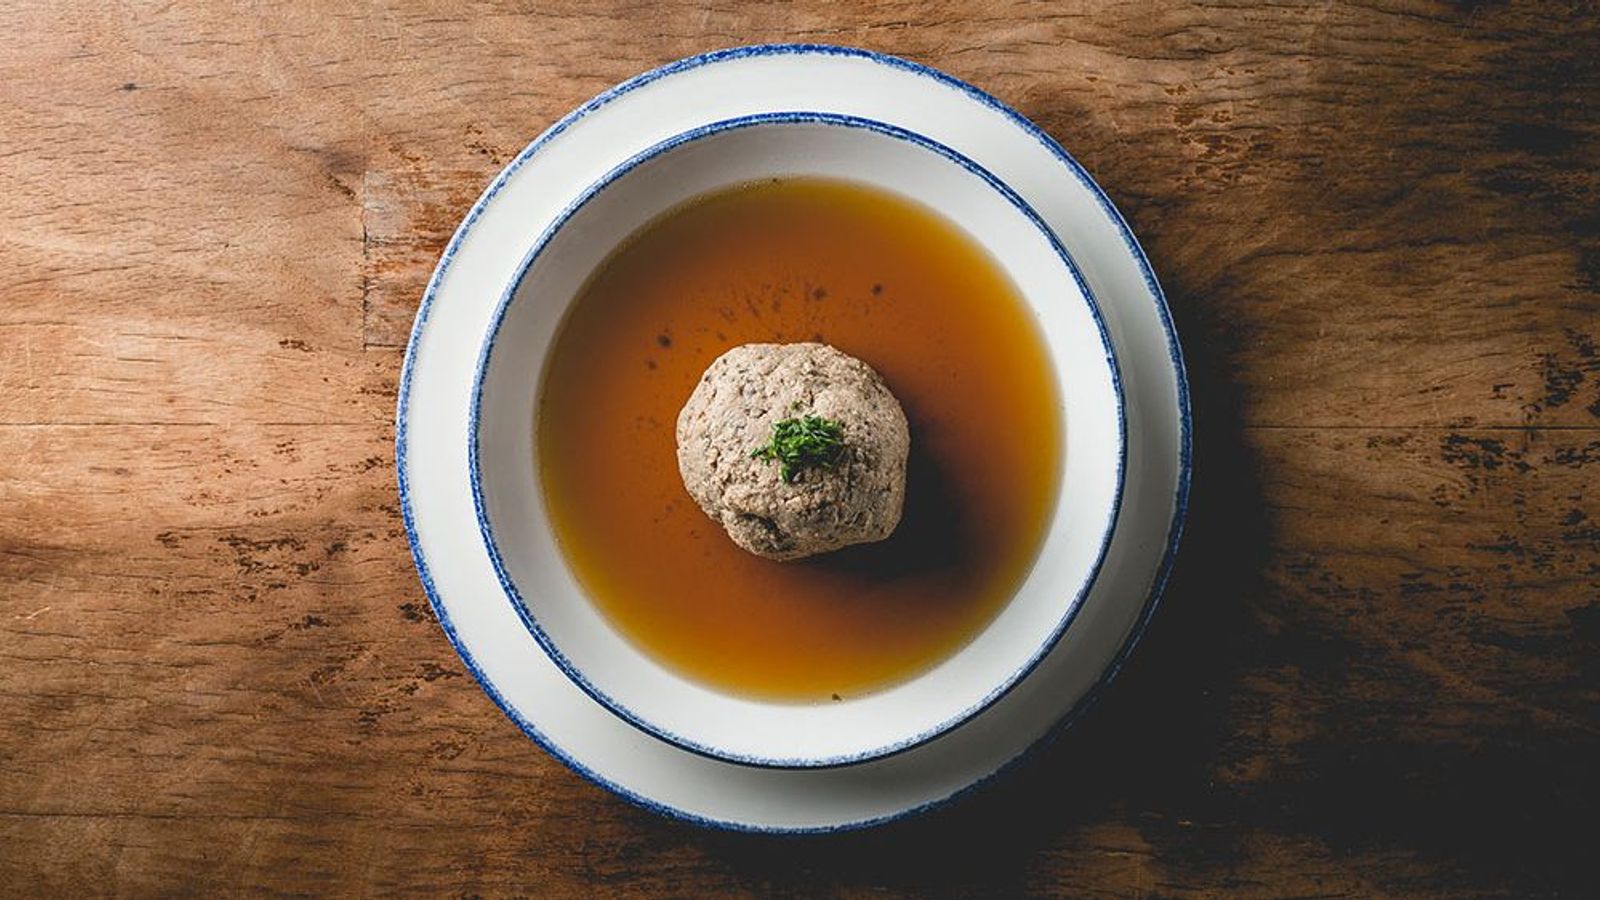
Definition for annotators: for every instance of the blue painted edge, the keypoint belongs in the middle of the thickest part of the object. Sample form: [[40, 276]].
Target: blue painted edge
[[1181, 498], [474, 428]]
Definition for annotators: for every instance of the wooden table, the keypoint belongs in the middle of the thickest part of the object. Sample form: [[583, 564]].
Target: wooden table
[[1377, 670]]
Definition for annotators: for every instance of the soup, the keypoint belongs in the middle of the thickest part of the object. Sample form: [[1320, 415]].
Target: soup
[[881, 278]]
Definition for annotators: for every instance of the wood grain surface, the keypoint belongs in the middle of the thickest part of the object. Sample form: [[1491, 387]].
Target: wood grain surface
[[1377, 671]]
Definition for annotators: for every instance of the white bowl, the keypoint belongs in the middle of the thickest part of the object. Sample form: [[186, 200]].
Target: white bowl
[[511, 510]]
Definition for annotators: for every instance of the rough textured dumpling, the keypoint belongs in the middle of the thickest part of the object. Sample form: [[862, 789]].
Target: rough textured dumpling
[[733, 410]]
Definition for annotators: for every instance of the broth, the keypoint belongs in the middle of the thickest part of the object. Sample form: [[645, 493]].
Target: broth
[[883, 279]]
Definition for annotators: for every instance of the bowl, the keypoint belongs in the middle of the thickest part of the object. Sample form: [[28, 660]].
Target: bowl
[[514, 522]]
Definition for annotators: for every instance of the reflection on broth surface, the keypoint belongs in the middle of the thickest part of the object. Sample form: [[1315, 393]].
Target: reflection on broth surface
[[879, 277]]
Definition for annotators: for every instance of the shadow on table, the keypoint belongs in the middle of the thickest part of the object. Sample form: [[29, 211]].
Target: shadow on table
[[1150, 768]]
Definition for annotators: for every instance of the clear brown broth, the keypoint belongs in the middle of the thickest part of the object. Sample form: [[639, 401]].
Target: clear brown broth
[[880, 277]]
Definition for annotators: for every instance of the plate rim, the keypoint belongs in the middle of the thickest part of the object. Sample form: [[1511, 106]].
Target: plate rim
[[1175, 357]]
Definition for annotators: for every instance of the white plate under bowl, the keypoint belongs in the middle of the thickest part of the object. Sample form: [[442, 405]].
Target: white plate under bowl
[[515, 521], [435, 404]]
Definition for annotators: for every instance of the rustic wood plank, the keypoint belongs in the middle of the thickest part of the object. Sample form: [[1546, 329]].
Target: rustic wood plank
[[1374, 674], [1400, 653], [407, 218], [1505, 210]]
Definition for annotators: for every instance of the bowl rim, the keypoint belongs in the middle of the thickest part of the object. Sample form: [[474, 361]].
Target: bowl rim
[[575, 673]]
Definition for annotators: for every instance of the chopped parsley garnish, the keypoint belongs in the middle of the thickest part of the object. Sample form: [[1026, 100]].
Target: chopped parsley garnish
[[806, 442]]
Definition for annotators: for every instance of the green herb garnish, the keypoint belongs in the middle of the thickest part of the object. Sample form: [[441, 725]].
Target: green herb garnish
[[798, 443]]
